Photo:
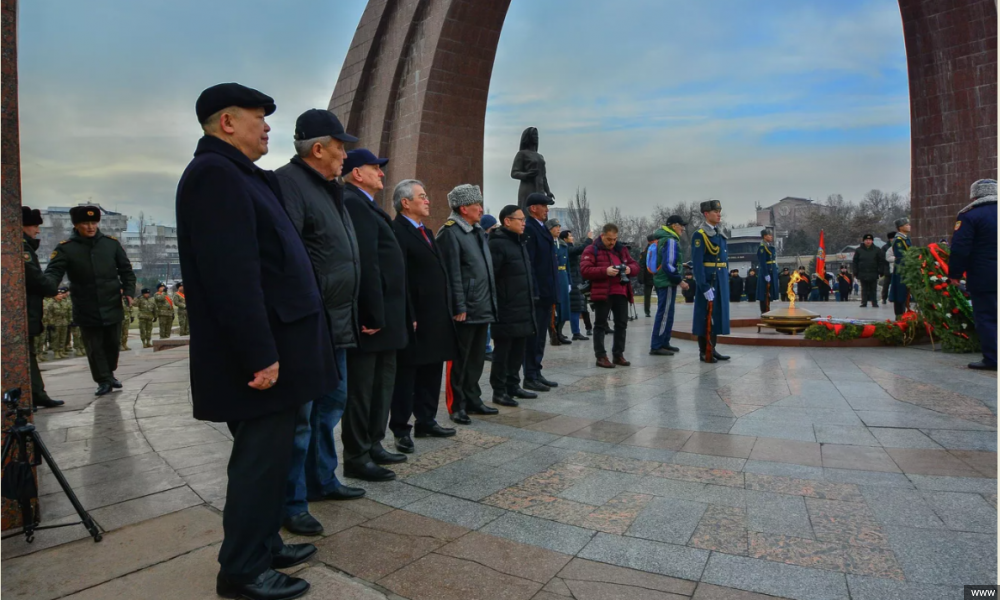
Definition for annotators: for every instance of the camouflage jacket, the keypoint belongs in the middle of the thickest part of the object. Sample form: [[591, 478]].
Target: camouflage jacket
[[164, 305], [180, 302], [146, 307], [59, 313]]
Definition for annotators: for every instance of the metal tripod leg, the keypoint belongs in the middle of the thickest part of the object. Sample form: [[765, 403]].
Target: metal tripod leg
[[85, 517]]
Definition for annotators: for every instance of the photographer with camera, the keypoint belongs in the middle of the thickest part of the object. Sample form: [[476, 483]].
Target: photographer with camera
[[607, 264]]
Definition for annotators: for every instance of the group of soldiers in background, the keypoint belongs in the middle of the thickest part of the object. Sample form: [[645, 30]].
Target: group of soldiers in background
[[158, 307], [59, 329]]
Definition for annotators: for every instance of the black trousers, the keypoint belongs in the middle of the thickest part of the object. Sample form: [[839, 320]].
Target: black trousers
[[869, 291], [102, 344], [534, 349], [886, 280], [616, 306], [764, 306], [370, 379], [416, 393], [585, 315], [508, 355], [37, 385], [900, 307], [647, 297], [464, 372], [255, 495]]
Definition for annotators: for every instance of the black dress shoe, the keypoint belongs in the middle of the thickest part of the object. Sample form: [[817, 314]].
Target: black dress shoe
[[710, 360], [48, 403], [404, 443], [535, 385], [717, 356], [488, 356], [104, 388], [380, 456], [269, 585], [460, 417], [672, 348], [293, 554], [116, 384], [369, 472], [341, 492], [519, 393], [982, 366], [503, 399], [303, 524], [548, 382], [434, 430], [481, 409], [565, 340], [661, 352], [580, 338], [590, 332]]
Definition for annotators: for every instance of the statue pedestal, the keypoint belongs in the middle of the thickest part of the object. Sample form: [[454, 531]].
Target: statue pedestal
[[788, 320]]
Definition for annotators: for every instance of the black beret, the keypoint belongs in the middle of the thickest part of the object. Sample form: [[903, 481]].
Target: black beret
[[30, 217], [710, 205], [85, 214], [538, 198], [217, 97], [868, 236], [144, 291]]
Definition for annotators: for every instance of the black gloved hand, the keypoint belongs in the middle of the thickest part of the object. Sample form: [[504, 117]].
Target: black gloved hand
[[131, 320]]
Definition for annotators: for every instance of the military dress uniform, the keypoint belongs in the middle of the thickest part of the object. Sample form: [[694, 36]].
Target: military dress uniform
[[710, 259], [60, 314], [767, 268], [147, 314], [165, 313], [898, 294], [126, 321], [182, 314]]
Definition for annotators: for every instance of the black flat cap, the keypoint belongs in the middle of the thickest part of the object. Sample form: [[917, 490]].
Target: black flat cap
[[85, 214], [30, 217], [538, 198], [710, 205], [217, 97], [317, 122], [676, 220], [868, 236]]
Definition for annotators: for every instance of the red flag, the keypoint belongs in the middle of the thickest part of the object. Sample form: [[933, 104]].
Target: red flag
[[821, 256]]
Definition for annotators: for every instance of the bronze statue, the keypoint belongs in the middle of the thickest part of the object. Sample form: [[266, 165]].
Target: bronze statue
[[529, 168]]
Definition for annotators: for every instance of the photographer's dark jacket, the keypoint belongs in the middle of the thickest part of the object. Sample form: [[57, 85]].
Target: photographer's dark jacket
[[36, 285], [466, 256], [98, 271], [594, 266]]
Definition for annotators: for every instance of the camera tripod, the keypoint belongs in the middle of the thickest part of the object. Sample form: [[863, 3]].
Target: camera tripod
[[18, 480]]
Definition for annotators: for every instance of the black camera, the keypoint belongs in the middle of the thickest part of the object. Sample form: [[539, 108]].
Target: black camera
[[622, 275]]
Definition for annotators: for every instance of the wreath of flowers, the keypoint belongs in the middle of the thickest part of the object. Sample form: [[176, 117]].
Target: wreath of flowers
[[891, 333], [943, 305]]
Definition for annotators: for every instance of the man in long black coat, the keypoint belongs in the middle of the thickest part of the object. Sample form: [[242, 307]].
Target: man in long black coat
[[37, 287], [382, 313], [253, 306], [432, 334], [542, 252]]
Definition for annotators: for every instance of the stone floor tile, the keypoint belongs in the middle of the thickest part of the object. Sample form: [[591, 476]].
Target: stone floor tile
[[614, 463], [407, 523], [606, 431], [600, 487], [647, 555], [546, 595], [595, 590], [617, 515], [668, 520], [700, 475], [454, 510], [898, 506], [872, 588], [775, 579], [123, 551], [786, 451], [965, 440], [520, 418], [438, 577], [867, 478], [963, 512], [582, 445], [976, 485], [857, 457], [782, 469], [642, 453], [581, 570], [983, 462], [476, 438], [540, 532], [833, 556], [846, 522], [556, 479], [717, 444], [560, 510], [394, 493], [709, 461], [847, 492], [723, 529], [707, 591], [485, 484], [777, 513], [942, 557], [504, 452], [931, 462], [556, 587], [561, 425], [855, 435], [506, 556], [903, 438], [373, 553], [658, 437]]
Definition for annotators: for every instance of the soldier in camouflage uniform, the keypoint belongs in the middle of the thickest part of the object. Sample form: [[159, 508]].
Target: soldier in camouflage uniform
[[59, 314], [45, 337], [126, 321], [147, 314], [164, 310], [182, 314]]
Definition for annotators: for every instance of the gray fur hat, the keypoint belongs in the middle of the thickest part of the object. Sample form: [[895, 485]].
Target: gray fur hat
[[983, 188], [552, 223], [901, 221], [465, 195]]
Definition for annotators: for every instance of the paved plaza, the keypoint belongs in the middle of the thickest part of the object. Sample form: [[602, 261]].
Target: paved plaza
[[814, 474]]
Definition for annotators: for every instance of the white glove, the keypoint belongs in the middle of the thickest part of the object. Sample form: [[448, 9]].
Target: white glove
[[710, 294], [767, 278]]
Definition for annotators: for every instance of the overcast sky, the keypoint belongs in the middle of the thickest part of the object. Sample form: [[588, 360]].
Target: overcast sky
[[644, 102]]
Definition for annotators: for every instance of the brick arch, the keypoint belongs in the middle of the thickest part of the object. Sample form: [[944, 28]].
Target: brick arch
[[416, 78]]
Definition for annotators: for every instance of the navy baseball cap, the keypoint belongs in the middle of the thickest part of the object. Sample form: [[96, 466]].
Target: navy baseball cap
[[361, 157], [317, 122]]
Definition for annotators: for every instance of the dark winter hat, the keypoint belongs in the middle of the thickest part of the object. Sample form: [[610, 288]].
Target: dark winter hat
[[900, 222], [361, 157], [890, 234], [30, 217], [766, 231], [552, 223], [161, 285], [144, 291], [676, 220], [487, 221], [223, 95], [651, 237], [710, 205], [984, 188], [465, 195], [85, 214], [317, 122], [538, 198], [565, 233], [868, 236]]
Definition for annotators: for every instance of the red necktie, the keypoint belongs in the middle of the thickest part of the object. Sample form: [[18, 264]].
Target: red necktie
[[423, 230]]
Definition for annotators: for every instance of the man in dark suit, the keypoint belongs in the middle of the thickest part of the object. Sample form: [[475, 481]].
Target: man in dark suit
[[432, 339], [542, 252], [382, 314], [253, 304]]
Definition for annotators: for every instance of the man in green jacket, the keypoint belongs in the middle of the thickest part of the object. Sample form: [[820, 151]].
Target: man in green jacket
[[147, 314], [37, 287], [664, 259], [98, 270]]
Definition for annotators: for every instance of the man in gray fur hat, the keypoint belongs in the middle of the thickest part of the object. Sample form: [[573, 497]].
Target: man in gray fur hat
[[466, 257]]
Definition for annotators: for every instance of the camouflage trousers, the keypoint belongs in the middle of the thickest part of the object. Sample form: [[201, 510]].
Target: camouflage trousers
[[124, 341], [38, 344], [166, 324], [78, 347], [182, 321], [60, 341], [146, 332]]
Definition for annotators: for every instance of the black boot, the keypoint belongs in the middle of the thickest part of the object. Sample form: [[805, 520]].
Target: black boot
[[703, 348], [269, 585], [715, 349]]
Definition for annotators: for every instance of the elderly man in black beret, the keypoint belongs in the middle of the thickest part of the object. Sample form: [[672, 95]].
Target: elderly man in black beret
[[253, 306], [98, 270], [38, 287]]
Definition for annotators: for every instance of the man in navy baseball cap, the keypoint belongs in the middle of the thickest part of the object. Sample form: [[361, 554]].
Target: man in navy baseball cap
[[360, 158], [317, 123]]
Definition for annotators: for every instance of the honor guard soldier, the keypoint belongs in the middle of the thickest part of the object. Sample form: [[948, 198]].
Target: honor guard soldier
[[767, 267], [709, 258], [898, 294], [164, 310], [974, 253], [98, 270], [147, 314]]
